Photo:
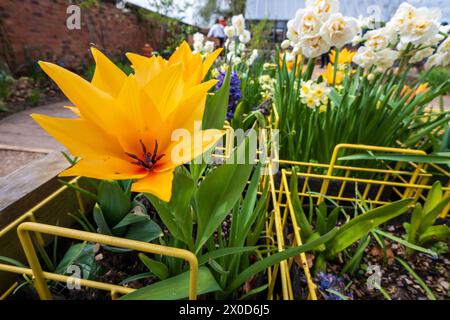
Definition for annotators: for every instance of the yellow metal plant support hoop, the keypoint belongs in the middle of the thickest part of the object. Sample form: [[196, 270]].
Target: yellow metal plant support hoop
[[25, 228], [24, 235]]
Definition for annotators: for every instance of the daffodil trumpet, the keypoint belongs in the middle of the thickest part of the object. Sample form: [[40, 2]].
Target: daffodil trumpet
[[126, 125]]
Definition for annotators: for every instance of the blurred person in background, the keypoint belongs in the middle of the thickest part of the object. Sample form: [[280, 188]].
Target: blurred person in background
[[217, 31]]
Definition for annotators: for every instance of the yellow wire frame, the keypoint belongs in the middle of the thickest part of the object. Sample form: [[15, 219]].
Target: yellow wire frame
[[25, 229], [278, 221], [414, 182], [8, 292], [114, 289], [342, 146]]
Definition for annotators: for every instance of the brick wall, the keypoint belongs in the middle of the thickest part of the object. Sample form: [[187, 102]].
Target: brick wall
[[32, 30]]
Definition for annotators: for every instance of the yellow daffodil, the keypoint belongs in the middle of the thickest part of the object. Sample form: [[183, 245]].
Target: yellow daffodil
[[290, 61], [125, 124], [345, 56], [329, 74]]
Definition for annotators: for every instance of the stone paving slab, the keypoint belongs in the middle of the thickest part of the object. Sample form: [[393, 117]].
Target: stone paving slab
[[22, 132]]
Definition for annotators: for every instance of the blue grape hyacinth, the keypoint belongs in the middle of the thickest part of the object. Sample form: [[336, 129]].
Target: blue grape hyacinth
[[235, 91]]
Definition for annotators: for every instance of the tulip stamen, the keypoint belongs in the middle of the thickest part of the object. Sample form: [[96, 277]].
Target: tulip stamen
[[150, 159]]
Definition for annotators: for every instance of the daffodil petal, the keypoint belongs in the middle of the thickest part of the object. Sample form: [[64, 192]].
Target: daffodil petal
[[156, 183], [79, 136], [107, 76], [105, 168]]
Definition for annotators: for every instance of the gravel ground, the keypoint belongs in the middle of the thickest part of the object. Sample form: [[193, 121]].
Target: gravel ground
[[11, 160]]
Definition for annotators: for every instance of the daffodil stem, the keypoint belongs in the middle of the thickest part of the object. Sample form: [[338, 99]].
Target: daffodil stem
[[336, 65]]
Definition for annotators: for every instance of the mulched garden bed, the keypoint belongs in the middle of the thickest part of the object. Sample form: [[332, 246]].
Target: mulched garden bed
[[27, 93], [395, 279]]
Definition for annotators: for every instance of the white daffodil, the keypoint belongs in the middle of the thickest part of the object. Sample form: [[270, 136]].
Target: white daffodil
[[437, 60], [285, 44], [384, 59], [320, 91], [231, 46], [314, 94], [339, 30], [403, 16], [238, 22], [253, 57], [416, 25], [369, 22], [444, 29], [209, 47], [293, 30], [314, 46], [421, 55], [198, 37], [365, 57], [435, 41], [323, 8], [310, 101], [296, 49], [245, 36], [380, 39], [309, 22], [305, 89], [444, 47], [230, 31], [236, 60]]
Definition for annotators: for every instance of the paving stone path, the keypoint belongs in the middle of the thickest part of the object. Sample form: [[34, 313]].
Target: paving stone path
[[23, 140], [20, 131]]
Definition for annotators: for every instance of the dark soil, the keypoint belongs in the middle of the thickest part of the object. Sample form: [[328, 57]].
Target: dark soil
[[114, 268], [395, 279]]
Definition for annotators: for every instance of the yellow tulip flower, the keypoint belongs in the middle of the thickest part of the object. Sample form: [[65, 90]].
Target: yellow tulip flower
[[125, 124]]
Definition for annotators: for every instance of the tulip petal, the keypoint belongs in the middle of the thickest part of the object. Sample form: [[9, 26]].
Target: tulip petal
[[79, 136], [209, 60], [74, 110], [156, 183], [182, 54], [183, 151], [192, 107], [145, 68], [139, 119], [94, 104], [166, 89], [107, 76], [105, 168], [136, 60]]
